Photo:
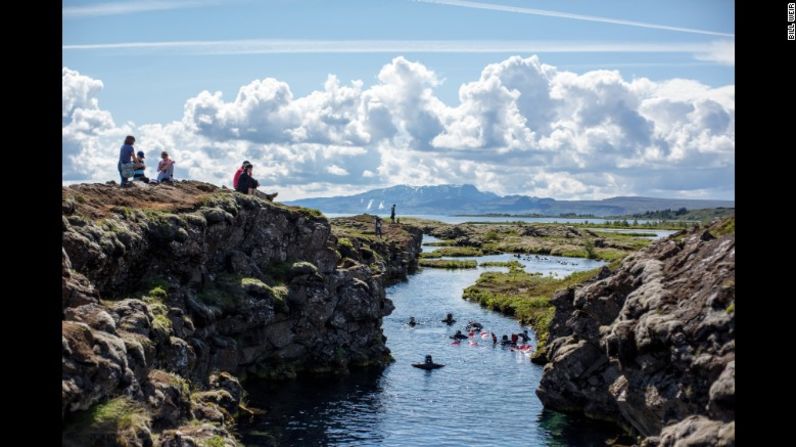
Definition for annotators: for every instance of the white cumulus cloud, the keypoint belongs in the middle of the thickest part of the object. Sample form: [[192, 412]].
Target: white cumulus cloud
[[522, 127]]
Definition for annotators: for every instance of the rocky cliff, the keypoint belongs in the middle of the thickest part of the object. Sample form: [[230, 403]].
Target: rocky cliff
[[171, 293], [393, 255], [651, 346]]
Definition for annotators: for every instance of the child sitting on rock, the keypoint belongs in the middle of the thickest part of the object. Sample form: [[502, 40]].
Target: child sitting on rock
[[138, 173]]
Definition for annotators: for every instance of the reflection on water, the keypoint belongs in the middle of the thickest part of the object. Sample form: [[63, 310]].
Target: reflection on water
[[483, 396], [566, 431]]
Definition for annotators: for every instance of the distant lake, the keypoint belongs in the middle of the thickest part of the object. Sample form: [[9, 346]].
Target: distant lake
[[462, 219]]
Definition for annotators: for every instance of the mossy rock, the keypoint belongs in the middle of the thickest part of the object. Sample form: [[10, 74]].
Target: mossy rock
[[221, 398], [302, 268], [216, 215], [346, 247], [119, 421], [254, 286]]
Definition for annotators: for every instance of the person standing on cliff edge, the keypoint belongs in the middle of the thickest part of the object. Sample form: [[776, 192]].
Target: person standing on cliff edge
[[392, 213], [377, 223]]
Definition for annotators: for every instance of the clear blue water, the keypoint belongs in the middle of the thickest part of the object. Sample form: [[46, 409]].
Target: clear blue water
[[483, 396]]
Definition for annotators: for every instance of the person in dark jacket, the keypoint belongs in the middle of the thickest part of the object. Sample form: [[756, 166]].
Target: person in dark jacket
[[238, 173], [246, 183]]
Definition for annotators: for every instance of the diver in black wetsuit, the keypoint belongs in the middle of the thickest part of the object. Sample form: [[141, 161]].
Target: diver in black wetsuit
[[412, 321], [428, 364], [458, 336], [505, 340], [524, 336], [494, 339], [474, 326], [449, 320]]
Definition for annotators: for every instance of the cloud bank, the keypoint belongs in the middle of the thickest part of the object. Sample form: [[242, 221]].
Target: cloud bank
[[522, 127]]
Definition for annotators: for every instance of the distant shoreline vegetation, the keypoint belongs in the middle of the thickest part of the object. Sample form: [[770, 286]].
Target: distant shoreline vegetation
[[680, 215], [562, 215]]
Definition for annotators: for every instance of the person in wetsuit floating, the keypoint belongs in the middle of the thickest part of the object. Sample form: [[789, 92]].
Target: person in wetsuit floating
[[458, 336]]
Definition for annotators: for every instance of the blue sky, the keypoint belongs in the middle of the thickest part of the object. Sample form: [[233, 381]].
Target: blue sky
[[152, 57]]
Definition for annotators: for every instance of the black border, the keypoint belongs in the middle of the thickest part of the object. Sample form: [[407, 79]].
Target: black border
[[764, 140]]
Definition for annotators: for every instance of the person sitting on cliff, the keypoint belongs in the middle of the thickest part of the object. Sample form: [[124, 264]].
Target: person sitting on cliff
[[248, 185], [165, 168], [138, 169], [412, 321], [449, 320], [238, 173], [458, 336]]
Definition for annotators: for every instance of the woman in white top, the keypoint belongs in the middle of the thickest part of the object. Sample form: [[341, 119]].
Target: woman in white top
[[165, 168]]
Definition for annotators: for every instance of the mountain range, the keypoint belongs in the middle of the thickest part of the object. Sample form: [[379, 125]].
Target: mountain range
[[467, 199]]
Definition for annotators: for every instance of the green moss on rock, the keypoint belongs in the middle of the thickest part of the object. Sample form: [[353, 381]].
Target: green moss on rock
[[119, 421]]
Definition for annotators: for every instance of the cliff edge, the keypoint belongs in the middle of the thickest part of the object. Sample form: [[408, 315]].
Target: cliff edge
[[171, 293]]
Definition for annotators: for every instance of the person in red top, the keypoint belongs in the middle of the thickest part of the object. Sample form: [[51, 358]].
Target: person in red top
[[238, 173]]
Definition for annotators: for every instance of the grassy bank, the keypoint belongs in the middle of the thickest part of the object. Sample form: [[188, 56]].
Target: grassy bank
[[449, 263], [525, 296], [468, 240], [461, 252]]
